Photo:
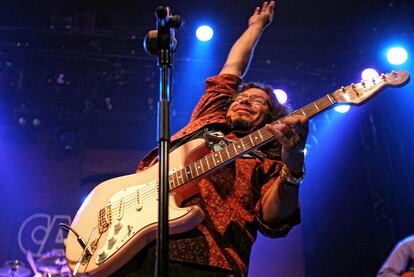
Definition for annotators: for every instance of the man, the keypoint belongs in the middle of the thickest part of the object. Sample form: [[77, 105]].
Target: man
[[401, 260], [256, 191]]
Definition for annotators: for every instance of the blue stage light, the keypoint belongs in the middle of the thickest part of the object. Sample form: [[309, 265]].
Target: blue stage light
[[342, 108], [280, 95], [369, 74], [397, 55], [305, 150], [204, 33]]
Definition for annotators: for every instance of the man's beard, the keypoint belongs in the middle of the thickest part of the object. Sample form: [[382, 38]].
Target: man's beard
[[240, 125]]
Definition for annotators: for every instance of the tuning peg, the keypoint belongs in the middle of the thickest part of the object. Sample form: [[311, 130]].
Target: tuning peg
[[363, 83], [343, 89], [383, 76]]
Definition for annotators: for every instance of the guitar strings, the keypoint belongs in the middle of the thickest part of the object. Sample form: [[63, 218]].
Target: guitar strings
[[143, 195], [131, 199]]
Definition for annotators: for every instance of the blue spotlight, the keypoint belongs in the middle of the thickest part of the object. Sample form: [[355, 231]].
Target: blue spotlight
[[204, 33], [397, 55], [305, 150], [369, 74], [280, 95], [342, 108]]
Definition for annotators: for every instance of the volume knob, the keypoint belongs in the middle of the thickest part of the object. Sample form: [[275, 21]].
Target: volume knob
[[111, 240], [101, 254], [118, 225]]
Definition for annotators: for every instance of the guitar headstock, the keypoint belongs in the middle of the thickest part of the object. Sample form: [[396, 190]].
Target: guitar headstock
[[358, 93]]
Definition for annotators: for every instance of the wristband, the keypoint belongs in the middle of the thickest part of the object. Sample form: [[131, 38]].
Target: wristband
[[287, 176]]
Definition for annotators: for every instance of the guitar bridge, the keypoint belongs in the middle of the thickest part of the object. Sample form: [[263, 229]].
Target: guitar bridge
[[104, 219]]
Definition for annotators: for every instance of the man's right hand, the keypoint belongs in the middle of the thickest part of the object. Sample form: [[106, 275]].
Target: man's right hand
[[264, 15]]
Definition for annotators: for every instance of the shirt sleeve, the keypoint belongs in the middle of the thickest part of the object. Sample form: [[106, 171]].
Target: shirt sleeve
[[270, 172], [398, 261], [218, 90]]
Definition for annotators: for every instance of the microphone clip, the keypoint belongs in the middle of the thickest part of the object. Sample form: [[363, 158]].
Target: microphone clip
[[164, 37]]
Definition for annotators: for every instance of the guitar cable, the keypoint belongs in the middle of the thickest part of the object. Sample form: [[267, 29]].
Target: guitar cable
[[80, 240]]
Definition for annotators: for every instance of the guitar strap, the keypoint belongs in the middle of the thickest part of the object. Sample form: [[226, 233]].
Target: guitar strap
[[216, 140]]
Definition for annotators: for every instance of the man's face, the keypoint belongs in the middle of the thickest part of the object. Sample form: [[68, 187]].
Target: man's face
[[249, 110]]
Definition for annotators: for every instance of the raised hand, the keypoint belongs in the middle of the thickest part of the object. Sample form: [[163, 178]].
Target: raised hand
[[264, 15], [238, 60]]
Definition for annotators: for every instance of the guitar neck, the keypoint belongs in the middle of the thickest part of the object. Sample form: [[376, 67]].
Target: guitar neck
[[314, 108], [242, 146]]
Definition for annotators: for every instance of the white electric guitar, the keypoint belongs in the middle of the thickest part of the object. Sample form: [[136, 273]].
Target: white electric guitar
[[119, 217]]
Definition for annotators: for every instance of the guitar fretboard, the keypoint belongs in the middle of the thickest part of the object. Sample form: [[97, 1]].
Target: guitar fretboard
[[242, 146]]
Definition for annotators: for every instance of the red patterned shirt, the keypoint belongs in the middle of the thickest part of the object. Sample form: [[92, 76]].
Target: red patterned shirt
[[230, 196]]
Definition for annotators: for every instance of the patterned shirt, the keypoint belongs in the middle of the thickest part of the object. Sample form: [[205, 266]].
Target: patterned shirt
[[230, 196]]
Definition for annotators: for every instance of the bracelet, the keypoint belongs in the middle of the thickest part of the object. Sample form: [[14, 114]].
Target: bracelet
[[287, 176]]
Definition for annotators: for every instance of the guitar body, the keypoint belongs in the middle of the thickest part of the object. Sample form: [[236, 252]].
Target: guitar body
[[120, 216]]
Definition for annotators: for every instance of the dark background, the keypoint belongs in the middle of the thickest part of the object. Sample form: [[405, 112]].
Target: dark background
[[77, 88]]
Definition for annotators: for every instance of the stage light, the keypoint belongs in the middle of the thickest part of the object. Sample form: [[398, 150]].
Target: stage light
[[397, 55], [342, 108], [36, 122], [369, 74], [305, 150], [280, 95], [22, 121], [204, 33], [60, 79]]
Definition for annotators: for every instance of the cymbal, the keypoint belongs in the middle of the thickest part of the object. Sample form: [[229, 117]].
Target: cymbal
[[52, 262], [14, 268]]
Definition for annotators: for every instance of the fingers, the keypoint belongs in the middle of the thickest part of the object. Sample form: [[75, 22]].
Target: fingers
[[299, 123], [268, 10], [285, 135], [264, 6], [263, 15], [271, 10], [292, 132], [268, 7]]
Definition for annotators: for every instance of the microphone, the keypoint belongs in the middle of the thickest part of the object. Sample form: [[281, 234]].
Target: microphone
[[164, 36], [166, 19]]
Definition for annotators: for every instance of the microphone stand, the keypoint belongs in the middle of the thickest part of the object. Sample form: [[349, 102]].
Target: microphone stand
[[162, 42]]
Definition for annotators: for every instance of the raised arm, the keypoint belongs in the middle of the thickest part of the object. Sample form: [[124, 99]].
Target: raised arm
[[240, 54]]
